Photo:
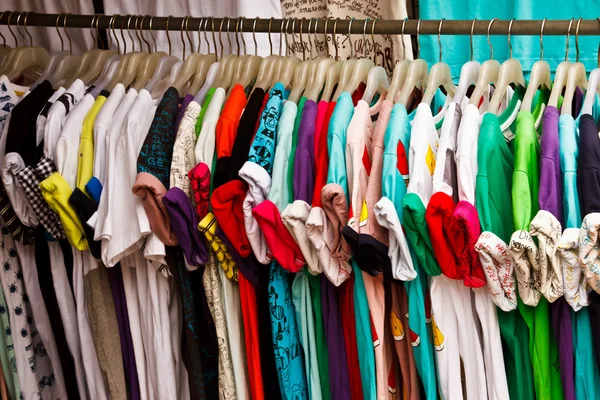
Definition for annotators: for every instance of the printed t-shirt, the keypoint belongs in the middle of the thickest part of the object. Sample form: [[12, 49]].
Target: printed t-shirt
[[206, 140], [421, 166], [184, 158]]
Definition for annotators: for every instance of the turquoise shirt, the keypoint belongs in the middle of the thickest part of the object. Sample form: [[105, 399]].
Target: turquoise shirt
[[456, 50], [394, 188], [364, 336], [568, 135], [336, 141]]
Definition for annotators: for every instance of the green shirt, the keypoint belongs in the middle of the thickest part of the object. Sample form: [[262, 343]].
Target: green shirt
[[525, 188], [494, 206], [205, 104]]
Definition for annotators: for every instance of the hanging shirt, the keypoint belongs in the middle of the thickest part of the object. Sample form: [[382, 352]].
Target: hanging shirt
[[280, 179], [205, 145], [184, 158], [85, 166], [102, 124]]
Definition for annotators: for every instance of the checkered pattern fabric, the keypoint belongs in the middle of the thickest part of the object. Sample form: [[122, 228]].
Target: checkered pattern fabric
[[30, 179]]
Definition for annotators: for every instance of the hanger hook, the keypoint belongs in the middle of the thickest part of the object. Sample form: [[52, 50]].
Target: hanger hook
[[200, 34], [402, 41], [254, 36], [568, 39], [27, 31], [375, 43], [1, 35], [471, 37], [577, 38], [152, 32], [281, 34], [294, 45], [18, 30], [129, 32], [94, 38], [335, 43], [542, 39], [419, 38], [221, 38], [167, 31], [206, 35], [350, 38], [136, 30], [310, 51], [187, 34], [181, 33], [237, 38], [365, 49], [270, 40], [228, 35], [212, 28], [114, 33], [302, 40], [488, 38], [326, 35], [66, 33], [98, 37], [509, 43], [123, 35], [62, 43], [440, 37], [285, 34], [142, 33], [11, 31]]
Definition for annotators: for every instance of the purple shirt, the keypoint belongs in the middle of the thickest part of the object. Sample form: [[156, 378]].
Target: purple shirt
[[304, 160], [551, 191]]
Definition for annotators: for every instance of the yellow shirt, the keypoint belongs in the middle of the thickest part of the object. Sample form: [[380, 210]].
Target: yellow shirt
[[85, 165], [56, 191]]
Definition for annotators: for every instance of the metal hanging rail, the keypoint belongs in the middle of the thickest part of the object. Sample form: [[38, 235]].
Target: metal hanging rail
[[587, 27]]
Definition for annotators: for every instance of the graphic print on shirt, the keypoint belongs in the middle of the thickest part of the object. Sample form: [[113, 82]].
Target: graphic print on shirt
[[8, 100], [157, 150], [262, 150], [402, 163]]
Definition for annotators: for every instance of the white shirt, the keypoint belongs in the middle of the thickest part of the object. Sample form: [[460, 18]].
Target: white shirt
[[205, 146], [57, 114], [101, 124], [447, 151], [421, 159], [67, 147], [466, 153], [40, 123]]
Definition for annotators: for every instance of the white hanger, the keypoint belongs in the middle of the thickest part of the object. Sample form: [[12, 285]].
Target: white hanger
[[511, 71], [561, 74], [540, 75], [468, 73], [592, 89], [377, 81], [577, 78], [417, 72], [439, 76], [488, 73]]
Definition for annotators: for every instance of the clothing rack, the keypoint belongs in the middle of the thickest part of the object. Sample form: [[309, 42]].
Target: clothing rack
[[585, 27]]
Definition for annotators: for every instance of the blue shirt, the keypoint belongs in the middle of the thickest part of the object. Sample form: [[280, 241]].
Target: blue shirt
[[336, 141], [568, 135]]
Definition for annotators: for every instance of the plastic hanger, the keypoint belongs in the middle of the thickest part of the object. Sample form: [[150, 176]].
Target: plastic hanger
[[377, 80], [165, 64], [148, 66], [204, 65], [510, 72], [267, 68], [67, 65], [10, 52], [468, 73], [360, 71], [22, 58], [55, 58], [250, 66], [417, 74], [286, 68], [346, 72], [334, 71], [400, 70], [226, 67], [577, 78], [540, 75], [561, 74], [324, 66], [111, 66], [488, 73], [300, 80], [189, 67], [128, 70], [92, 61], [439, 76], [593, 89]]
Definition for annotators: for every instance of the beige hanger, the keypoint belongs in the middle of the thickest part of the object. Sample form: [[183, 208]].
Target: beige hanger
[[561, 74], [417, 74], [67, 65], [334, 70], [322, 67], [302, 71], [540, 75], [188, 70], [577, 78], [6, 60], [345, 75], [55, 58], [488, 73], [128, 68], [92, 61], [149, 64], [287, 65], [250, 66], [510, 72], [165, 67], [360, 71], [203, 64], [439, 75], [25, 57], [400, 70], [224, 67]]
